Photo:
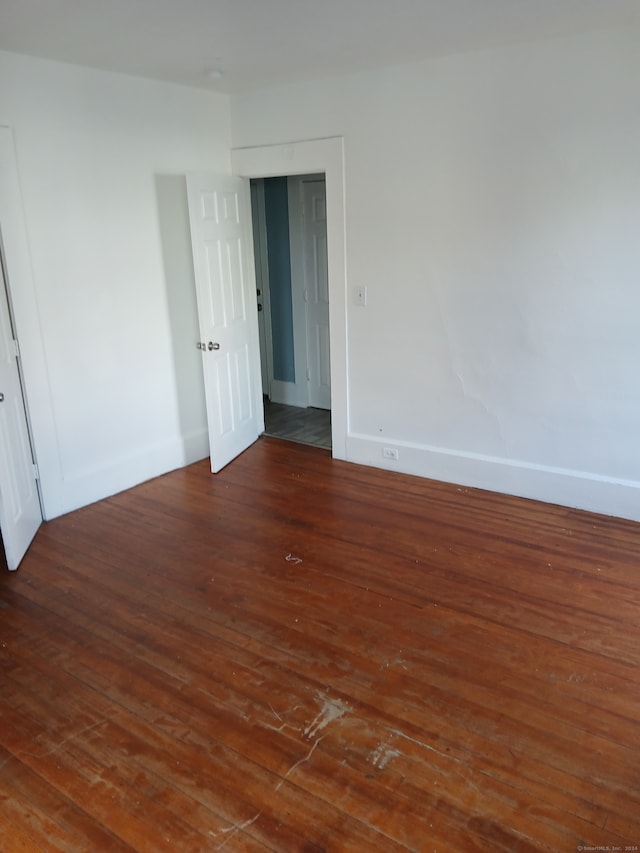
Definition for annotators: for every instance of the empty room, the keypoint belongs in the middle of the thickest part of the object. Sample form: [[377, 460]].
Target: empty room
[[406, 616]]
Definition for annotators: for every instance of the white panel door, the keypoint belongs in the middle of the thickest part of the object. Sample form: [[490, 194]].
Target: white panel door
[[20, 512], [220, 217], [316, 291]]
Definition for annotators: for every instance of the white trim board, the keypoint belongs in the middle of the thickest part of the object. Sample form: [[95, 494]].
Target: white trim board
[[298, 300], [289, 393], [93, 484], [577, 489]]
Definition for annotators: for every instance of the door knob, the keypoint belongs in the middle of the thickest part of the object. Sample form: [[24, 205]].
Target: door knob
[[201, 345], [213, 346], [1, 397]]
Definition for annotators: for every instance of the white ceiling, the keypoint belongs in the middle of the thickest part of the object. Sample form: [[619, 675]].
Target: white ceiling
[[258, 43]]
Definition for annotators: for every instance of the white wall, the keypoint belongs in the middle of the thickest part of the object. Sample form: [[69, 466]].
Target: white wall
[[492, 210], [117, 396]]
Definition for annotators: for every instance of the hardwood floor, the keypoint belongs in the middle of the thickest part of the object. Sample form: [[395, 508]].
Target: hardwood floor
[[309, 426], [299, 654]]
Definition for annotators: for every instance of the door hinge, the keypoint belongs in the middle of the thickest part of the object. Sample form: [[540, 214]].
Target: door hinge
[[17, 348], [308, 375], [36, 471]]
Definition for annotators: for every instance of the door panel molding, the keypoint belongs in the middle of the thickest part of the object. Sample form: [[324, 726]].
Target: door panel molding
[[222, 241], [258, 217], [20, 511], [26, 314]]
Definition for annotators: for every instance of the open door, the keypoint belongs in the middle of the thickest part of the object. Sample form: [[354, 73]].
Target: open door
[[221, 237], [20, 512]]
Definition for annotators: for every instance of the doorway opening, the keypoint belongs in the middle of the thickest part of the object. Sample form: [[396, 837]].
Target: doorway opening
[[306, 157], [289, 215]]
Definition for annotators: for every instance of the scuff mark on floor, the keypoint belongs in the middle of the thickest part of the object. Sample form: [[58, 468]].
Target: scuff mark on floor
[[281, 728], [382, 755], [332, 710], [387, 663], [23, 753], [240, 826], [426, 746], [230, 831], [297, 764], [283, 722]]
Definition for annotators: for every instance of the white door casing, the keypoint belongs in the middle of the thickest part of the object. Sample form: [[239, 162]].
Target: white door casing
[[316, 285], [20, 511], [220, 217], [311, 157], [262, 284]]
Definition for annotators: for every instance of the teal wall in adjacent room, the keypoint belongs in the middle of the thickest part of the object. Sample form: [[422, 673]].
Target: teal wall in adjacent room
[[277, 225]]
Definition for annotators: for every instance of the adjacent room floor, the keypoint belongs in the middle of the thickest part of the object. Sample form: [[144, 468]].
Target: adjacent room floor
[[299, 654], [308, 426]]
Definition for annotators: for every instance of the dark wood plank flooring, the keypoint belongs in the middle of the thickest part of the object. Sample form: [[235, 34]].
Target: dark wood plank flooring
[[299, 654]]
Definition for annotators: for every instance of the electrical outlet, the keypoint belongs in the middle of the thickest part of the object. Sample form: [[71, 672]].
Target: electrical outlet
[[389, 453], [359, 295]]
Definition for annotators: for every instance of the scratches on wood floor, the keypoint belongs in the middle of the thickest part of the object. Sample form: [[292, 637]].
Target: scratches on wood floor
[[446, 669]]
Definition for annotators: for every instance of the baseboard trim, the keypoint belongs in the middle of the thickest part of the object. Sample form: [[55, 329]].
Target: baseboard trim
[[575, 489], [289, 394], [102, 481]]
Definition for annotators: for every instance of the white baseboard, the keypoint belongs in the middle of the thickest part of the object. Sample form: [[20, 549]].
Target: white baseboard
[[577, 489], [289, 393], [109, 478]]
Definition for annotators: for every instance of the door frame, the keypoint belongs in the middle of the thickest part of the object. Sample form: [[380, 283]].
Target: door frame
[[298, 300], [298, 226], [303, 158], [262, 283]]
